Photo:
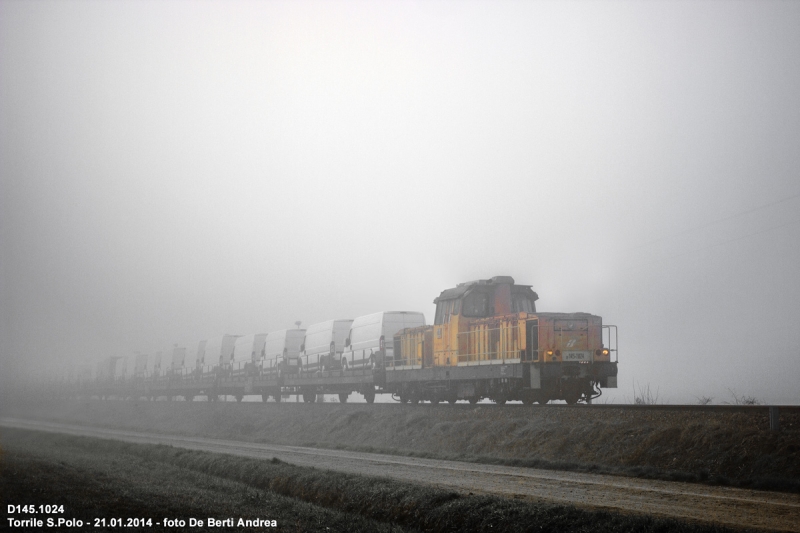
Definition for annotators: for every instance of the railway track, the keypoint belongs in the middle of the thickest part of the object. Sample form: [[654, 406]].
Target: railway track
[[24, 396], [709, 504]]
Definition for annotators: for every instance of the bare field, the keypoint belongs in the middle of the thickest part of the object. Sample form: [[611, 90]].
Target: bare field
[[705, 446], [105, 478], [98, 480]]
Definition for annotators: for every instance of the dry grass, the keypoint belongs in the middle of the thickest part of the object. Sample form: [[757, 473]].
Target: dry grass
[[95, 477], [645, 396], [705, 446], [743, 399], [102, 479]]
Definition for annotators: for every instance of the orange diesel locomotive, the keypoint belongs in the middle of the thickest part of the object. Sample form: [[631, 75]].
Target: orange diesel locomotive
[[488, 341]]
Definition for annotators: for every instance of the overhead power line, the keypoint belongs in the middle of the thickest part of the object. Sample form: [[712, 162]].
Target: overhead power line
[[718, 244], [713, 222], [739, 238]]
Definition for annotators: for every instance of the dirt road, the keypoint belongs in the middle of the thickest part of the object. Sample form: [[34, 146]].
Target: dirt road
[[734, 507]]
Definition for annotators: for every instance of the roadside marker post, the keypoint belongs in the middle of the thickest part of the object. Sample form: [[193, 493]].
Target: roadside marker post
[[774, 419]]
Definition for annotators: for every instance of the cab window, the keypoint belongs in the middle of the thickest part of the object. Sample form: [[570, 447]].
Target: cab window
[[522, 303], [476, 304], [443, 311]]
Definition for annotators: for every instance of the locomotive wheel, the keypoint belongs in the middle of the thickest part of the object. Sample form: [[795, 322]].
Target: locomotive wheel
[[239, 398], [264, 397], [452, 401], [343, 397], [369, 396], [309, 397], [277, 397], [500, 401], [435, 401], [473, 400], [572, 397]]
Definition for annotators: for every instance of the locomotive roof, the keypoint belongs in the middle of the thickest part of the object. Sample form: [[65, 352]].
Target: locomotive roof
[[462, 288]]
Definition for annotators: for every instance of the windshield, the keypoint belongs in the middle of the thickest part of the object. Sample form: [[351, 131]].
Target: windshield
[[476, 304], [522, 303]]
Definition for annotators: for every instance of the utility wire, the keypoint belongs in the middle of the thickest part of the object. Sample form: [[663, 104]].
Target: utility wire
[[741, 237], [707, 224]]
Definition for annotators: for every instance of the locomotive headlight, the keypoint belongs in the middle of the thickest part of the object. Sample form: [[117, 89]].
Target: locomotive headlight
[[549, 352], [605, 351]]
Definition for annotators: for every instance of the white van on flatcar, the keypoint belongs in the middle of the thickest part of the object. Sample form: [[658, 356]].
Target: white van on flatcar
[[281, 351], [193, 359], [140, 365], [154, 365], [84, 374], [104, 371], [218, 351], [121, 368], [371, 338], [323, 345], [176, 360], [247, 351]]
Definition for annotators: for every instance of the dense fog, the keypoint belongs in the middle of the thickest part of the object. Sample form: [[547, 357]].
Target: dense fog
[[173, 171]]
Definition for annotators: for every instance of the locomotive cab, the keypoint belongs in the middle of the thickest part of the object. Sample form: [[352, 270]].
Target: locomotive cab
[[485, 298]]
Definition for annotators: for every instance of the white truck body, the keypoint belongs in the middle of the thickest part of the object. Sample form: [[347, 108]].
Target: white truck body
[[248, 350], [84, 373], [154, 365], [282, 350], [372, 336], [218, 351], [177, 360], [323, 345], [140, 365], [192, 358], [106, 369], [121, 368]]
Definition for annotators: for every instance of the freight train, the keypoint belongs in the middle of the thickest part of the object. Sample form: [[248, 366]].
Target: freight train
[[487, 341]]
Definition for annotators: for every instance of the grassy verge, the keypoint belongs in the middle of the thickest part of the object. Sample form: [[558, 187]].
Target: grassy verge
[[105, 480], [643, 472], [93, 476], [723, 448]]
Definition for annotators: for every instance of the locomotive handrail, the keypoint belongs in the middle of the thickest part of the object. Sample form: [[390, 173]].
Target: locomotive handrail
[[612, 338]]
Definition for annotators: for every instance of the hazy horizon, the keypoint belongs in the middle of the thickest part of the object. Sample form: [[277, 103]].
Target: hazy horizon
[[173, 171]]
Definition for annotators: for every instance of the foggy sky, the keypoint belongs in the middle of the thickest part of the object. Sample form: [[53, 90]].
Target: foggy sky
[[173, 171]]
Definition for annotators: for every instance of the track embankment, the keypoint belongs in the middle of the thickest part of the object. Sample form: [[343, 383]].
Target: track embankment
[[95, 478], [720, 446]]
